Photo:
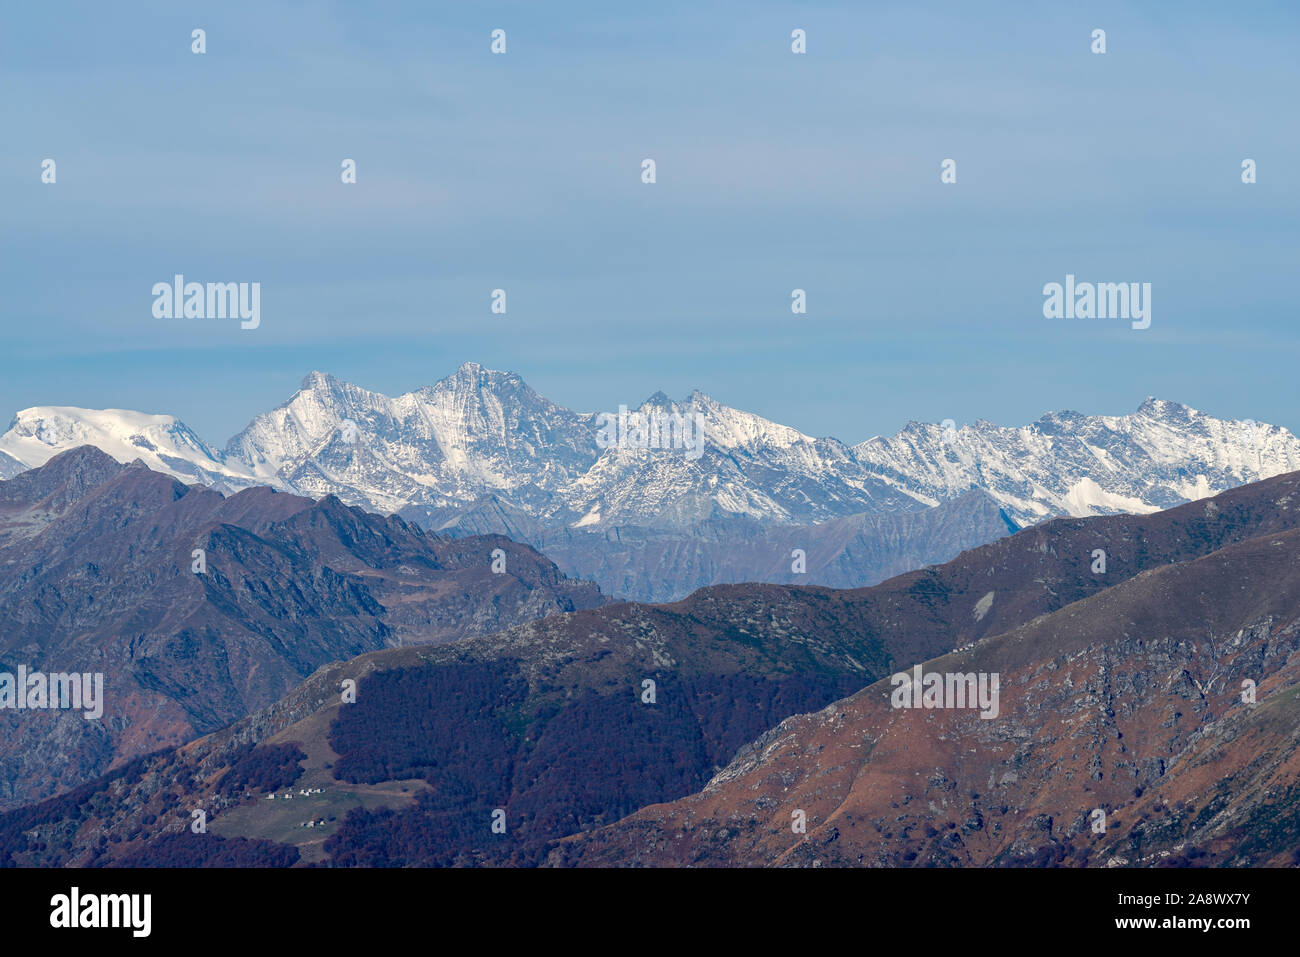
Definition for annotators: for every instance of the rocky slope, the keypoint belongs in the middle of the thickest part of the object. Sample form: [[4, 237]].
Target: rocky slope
[[548, 721], [198, 608], [1154, 723], [657, 565]]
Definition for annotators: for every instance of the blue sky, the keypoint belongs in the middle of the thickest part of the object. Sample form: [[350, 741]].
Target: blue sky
[[775, 171]]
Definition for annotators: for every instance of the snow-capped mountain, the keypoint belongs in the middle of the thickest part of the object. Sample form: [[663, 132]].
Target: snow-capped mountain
[[1161, 455], [442, 450], [162, 442], [481, 432], [477, 431], [748, 467]]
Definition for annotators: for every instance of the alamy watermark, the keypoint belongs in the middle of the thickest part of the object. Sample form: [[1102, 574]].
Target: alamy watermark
[[179, 299], [38, 691], [128, 911], [651, 430], [1102, 300], [946, 690]]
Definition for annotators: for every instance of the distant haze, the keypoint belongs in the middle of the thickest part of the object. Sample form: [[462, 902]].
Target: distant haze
[[775, 172]]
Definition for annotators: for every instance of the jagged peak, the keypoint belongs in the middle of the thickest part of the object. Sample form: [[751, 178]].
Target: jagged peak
[[1163, 407], [316, 379], [477, 377]]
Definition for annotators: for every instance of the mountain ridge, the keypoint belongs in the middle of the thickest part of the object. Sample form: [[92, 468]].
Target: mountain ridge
[[480, 431], [1135, 689], [197, 607], [549, 719], [481, 450]]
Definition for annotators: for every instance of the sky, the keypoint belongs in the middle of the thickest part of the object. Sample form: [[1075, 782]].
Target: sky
[[775, 171]]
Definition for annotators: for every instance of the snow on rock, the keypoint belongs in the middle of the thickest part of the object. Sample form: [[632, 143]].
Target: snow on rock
[[162, 442], [481, 433], [1163, 454]]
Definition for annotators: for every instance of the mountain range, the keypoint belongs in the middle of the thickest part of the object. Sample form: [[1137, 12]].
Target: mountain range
[[197, 608], [689, 733], [480, 452], [1153, 724]]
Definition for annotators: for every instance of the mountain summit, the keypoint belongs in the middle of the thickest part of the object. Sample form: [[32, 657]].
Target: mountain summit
[[1066, 463], [631, 499], [480, 432]]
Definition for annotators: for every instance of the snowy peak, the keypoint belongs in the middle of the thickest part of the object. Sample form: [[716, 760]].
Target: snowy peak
[[1164, 409], [660, 402], [730, 428], [476, 431], [472, 376], [488, 403], [1067, 463], [162, 442], [317, 381], [481, 432], [746, 467]]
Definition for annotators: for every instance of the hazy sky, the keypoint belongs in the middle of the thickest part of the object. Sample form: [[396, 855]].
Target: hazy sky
[[775, 171]]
